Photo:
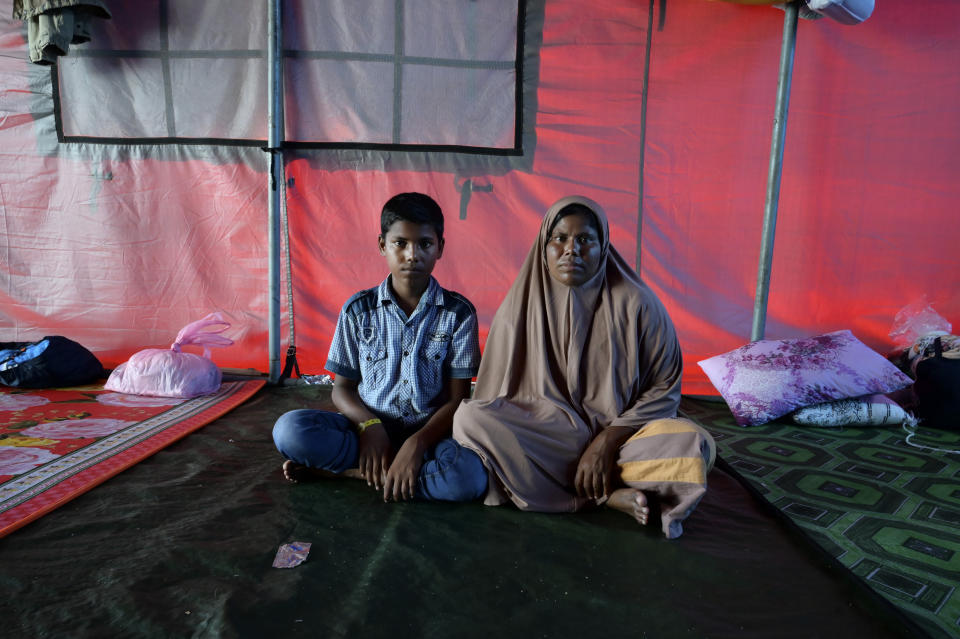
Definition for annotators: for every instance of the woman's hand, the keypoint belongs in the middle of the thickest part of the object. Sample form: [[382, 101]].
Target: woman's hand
[[401, 480], [374, 455], [595, 472]]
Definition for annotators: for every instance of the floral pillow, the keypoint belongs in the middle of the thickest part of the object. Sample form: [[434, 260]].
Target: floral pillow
[[770, 378]]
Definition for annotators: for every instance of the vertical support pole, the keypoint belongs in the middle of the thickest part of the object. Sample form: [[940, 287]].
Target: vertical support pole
[[277, 175], [787, 49], [643, 132]]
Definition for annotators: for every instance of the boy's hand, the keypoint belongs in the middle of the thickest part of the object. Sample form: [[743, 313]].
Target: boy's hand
[[401, 481], [374, 455]]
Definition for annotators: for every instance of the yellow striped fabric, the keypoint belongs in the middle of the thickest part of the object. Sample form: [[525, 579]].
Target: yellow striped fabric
[[664, 427], [674, 469]]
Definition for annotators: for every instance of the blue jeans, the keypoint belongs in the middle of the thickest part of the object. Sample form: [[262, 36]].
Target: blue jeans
[[325, 440]]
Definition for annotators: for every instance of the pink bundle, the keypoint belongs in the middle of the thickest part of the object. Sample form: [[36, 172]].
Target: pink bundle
[[171, 372]]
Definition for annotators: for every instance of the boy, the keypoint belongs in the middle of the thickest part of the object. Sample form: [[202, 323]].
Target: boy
[[403, 354]]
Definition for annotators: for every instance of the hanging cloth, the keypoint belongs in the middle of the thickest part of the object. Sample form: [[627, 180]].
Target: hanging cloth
[[53, 25]]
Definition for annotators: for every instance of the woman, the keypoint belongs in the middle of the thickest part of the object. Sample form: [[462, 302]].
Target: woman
[[577, 394]]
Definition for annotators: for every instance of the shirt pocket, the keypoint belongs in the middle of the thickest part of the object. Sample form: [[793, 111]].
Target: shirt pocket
[[373, 363], [432, 357]]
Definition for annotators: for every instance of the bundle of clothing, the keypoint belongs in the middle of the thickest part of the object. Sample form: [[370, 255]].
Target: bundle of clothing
[[934, 363], [53, 25], [930, 354]]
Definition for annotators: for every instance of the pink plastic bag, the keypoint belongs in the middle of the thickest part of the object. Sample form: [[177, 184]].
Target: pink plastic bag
[[171, 372]]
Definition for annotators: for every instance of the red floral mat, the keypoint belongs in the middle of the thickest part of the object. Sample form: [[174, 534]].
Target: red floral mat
[[56, 444]]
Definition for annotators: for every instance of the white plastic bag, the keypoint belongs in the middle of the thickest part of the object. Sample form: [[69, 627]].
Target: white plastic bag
[[915, 320], [843, 11], [171, 372]]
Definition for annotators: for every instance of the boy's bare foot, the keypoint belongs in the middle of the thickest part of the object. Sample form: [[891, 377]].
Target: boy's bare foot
[[294, 473], [631, 501]]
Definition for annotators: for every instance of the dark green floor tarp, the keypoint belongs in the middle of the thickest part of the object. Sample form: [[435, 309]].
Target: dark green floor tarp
[[883, 508], [181, 545]]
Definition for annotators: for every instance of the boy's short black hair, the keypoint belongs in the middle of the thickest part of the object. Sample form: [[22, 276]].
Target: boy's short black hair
[[412, 207], [577, 209]]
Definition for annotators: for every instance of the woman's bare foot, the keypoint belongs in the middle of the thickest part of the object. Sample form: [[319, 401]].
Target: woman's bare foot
[[631, 501], [294, 473]]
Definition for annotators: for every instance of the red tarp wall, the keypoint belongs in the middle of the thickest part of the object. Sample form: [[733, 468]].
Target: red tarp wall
[[120, 247]]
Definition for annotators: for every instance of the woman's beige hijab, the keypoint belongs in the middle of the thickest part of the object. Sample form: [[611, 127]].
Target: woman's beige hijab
[[560, 364]]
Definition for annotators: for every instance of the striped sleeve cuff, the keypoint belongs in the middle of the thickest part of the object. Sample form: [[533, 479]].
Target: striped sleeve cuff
[[464, 373]]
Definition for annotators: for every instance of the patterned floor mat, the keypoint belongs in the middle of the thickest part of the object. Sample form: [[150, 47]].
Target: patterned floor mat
[[888, 511], [56, 444]]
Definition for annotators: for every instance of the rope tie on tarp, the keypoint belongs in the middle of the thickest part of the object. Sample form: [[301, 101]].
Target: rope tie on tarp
[[290, 364]]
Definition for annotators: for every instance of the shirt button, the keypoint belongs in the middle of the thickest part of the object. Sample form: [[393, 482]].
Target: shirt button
[[404, 381], [405, 353], [436, 357]]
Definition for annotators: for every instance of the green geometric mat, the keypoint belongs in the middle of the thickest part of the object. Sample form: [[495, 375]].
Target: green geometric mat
[[886, 510]]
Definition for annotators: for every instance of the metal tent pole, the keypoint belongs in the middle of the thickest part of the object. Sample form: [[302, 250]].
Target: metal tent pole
[[787, 49], [276, 132], [643, 131]]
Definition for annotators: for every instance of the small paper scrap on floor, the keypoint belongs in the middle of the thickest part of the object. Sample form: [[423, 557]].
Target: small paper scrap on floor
[[292, 554]]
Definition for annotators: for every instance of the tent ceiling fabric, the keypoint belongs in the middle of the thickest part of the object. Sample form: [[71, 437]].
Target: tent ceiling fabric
[[119, 245]]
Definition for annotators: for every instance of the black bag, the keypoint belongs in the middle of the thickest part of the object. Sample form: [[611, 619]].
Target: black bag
[[51, 362], [938, 390]]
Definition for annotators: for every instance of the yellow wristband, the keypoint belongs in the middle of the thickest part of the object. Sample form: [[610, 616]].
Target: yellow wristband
[[362, 426]]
